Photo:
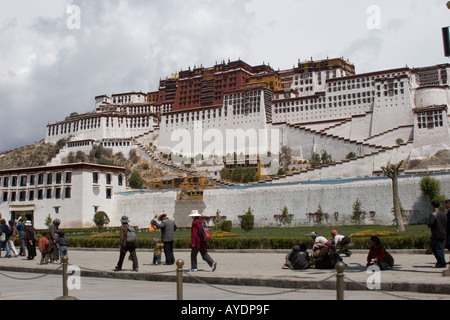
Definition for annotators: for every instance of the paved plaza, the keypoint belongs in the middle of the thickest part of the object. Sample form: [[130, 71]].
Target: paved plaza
[[240, 275]]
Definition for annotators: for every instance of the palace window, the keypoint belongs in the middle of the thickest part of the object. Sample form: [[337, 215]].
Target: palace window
[[430, 119]]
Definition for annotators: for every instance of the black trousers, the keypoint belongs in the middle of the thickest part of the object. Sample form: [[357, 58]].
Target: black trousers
[[123, 251], [168, 252]]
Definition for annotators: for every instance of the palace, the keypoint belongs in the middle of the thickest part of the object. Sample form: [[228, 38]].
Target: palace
[[199, 121], [314, 107]]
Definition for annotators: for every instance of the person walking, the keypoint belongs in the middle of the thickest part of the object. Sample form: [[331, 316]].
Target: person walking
[[53, 230], [31, 239], [168, 228], [126, 244], [5, 233], [447, 206], [12, 237], [22, 236], [199, 245], [437, 222]]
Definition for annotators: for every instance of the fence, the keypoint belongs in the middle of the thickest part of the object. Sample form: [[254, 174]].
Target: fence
[[182, 275]]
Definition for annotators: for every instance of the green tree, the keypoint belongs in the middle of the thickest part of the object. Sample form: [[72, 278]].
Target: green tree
[[100, 219], [135, 181], [248, 220], [48, 221], [430, 187], [326, 158], [315, 160], [285, 218], [392, 172]]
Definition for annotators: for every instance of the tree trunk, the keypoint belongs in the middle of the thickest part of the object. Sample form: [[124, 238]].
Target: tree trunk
[[391, 171], [397, 209]]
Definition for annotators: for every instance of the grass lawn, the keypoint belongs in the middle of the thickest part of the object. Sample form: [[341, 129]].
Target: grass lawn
[[286, 232]]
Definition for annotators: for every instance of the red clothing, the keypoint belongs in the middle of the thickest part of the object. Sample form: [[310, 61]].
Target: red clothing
[[376, 251], [44, 245], [196, 242]]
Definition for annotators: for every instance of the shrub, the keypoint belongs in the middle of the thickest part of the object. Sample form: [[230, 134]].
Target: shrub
[[135, 181], [223, 234], [105, 236], [226, 226], [369, 233], [248, 220], [101, 219], [229, 241]]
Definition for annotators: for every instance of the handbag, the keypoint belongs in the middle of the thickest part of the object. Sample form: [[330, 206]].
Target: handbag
[[152, 228], [3, 237]]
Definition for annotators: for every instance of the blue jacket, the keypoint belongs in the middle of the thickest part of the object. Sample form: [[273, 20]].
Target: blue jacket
[[21, 229], [5, 229]]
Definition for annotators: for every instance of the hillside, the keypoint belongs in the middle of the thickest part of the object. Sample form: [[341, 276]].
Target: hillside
[[40, 153]]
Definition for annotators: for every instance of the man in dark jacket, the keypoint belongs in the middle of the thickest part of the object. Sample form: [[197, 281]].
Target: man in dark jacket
[[437, 222], [53, 230], [125, 246], [168, 228]]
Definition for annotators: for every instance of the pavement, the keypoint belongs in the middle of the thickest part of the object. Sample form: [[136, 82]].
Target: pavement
[[413, 271]]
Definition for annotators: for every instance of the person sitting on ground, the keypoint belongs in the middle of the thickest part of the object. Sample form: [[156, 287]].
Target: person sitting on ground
[[333, 256], [342, 243], [322, 258], [298, 258], [378, 255]]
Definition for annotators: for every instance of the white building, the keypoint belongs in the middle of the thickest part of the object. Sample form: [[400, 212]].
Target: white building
[[73, 193]]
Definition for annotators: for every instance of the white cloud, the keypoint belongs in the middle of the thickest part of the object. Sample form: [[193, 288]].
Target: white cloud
[[49, 71]]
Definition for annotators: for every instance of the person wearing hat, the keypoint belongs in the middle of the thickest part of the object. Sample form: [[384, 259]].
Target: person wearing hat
[[319, 241], [125, 246], [168, 228], [31, 239], [197, 244], [342, 243]]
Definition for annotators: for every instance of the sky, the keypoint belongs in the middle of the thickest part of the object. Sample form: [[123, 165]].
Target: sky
[[57, 55]]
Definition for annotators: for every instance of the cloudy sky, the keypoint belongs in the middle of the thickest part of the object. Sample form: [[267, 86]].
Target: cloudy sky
[[57, 55]]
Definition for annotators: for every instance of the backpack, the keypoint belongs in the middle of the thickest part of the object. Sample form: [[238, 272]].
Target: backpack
[[131, 235], [205, 234]]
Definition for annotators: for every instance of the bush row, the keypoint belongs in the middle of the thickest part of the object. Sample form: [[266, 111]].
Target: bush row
[[413, 242]]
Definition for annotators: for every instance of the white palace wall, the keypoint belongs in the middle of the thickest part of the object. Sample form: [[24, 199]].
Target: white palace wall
[[267, 200]]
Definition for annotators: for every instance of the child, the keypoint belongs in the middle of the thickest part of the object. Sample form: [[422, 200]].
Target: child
[[63, 244], [157, 251], [44, 247]]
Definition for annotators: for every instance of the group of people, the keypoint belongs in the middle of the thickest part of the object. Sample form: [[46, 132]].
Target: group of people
[[52, 244], [167, 226], [326, 253]]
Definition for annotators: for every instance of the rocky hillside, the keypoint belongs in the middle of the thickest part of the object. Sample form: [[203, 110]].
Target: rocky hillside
[[40, 153]]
